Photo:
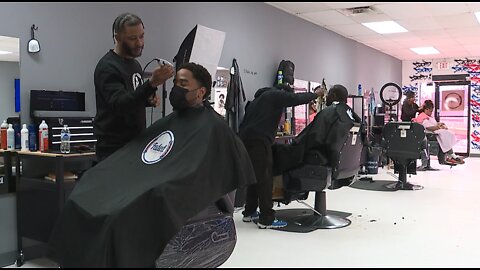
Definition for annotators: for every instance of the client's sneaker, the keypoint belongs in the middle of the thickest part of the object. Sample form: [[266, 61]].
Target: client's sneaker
[[451, 161], [457, 156], [252, 217], [275, 225], [459, 159]]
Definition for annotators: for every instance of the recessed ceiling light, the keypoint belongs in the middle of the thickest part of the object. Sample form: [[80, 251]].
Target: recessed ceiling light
[[477, 14], [425, 50], [5, 52], [385, 27]]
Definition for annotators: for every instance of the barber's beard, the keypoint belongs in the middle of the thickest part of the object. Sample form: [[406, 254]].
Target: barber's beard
[[132, 52]]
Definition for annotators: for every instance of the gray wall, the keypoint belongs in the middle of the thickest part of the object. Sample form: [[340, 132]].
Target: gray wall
[[73, 36], [8, 72]]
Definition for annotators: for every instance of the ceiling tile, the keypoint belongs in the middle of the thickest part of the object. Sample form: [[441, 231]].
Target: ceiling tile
[[469, 40], [369, 37], [401, 36], [300, 7], [340, 5], [350, 30], [330, 17], [410, 42], [398, 11], [426, 23], [474, 48], [448, 8], [431, 33], [363, 18], [466, 19], [384, 46], [473, 6], [464, 32]]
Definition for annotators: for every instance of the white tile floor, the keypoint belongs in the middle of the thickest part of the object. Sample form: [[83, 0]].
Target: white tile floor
[[434, 227]]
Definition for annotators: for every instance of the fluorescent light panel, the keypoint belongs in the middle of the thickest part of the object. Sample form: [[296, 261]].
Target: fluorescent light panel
[[5, 52], [385, 27], [477, 14], [425, 50]]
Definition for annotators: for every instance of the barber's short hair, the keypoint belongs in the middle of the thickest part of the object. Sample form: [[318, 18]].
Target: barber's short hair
[[341, 93], [410, 94], [127, 19], [200, 74]]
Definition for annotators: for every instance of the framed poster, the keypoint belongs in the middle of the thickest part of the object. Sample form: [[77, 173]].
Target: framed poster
[[219, 100]]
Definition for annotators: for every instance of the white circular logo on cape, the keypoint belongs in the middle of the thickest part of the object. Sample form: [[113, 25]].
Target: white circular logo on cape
[[158, 148]]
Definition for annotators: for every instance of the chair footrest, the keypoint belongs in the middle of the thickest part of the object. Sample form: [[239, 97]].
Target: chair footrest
[[305, 220]]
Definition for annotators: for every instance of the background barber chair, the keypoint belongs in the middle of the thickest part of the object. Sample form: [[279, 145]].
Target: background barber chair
[[403, 142], [300, 181], [433, 148]]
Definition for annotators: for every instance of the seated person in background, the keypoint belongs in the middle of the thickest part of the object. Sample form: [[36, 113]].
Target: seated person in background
[[446, 139], [319, 136], [409, 107], [315, 144]]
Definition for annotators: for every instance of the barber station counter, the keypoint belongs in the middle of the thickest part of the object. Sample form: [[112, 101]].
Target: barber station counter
[[37, 190]]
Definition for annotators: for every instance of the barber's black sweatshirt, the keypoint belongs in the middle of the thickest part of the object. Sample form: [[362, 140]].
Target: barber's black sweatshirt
[[263, 114], [409, 111], [121, 98]]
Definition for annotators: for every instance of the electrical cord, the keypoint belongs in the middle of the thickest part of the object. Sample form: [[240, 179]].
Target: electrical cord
[[162, 62]]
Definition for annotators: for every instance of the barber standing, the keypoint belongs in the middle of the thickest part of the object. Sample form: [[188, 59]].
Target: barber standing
[[257, 132], [120, 92], [409, 107]]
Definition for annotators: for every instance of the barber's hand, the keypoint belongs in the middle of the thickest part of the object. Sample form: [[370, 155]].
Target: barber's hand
[[161, 74], [154, 100]]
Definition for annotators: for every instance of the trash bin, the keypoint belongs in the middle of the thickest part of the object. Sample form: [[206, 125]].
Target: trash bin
[[373, 159]]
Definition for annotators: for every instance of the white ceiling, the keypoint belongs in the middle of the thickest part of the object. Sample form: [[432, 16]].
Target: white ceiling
[[450, 27], [10, 44]]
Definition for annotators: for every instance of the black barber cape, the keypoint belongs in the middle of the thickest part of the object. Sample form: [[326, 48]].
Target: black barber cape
[[123, 211], [316, 144]]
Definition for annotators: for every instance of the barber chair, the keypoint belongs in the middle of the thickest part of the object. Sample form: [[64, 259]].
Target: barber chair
[[403, 143], [206, 241], [300, 181], [433, 148]]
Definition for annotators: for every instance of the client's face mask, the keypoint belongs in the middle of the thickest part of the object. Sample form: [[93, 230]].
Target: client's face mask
[[178, 98]]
